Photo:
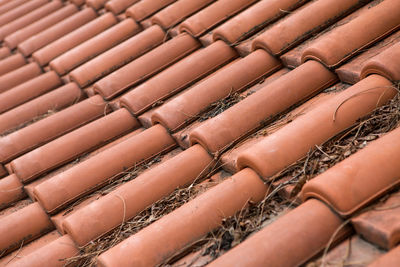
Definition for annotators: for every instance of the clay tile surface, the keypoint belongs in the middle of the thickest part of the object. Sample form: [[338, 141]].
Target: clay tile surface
[[118, 6], [118, 56], [384, 64], [94, 46], [146, 65], [145, 8], [195, 132], [53, 101], [178, 11], [351, 184], [302, 23], [51, 34], [345, 41], [174, 79], [337, 114], [391, 259], [312, 223], [73, 39], [29, 18], [234, 77], [212, 15], [13, 39], [380, 225]]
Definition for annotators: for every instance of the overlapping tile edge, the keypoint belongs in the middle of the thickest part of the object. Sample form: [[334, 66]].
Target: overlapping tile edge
[[99, 97]]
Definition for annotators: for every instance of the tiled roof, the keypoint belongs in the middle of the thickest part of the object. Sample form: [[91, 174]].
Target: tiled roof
[[194, 133]]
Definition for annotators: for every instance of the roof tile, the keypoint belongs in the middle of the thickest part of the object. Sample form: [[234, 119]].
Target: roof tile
[[45, 130], [29, 90], [52, 194], [19, 76], [23, 226], [336, 114], [145, 8], [55, 100], [94, 46], [73, 39], [117, 56], [153, 244], [145, 66], [12, 40], [118, 6], [232, 78], [384, 64], [11, 63], [20, 10], [129, 199], [390, 259], [345, 41], [177, 77], [212, 15], [11, 191], [380, 225]]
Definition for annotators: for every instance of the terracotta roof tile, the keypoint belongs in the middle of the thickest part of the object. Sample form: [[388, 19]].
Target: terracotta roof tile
[[94, 46], [178, 11], [117, 56], [145, 8], [53, 33], [53, 101], [73, 39], [147, 65], [390, 259], [146, 132], [12, 40]]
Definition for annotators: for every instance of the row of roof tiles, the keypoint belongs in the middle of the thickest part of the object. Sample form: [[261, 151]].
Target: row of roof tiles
[[92, 92]]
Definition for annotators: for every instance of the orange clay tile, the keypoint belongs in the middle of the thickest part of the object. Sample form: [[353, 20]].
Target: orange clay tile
[[11, 5], [350, 72], [117, 56], [334, 115], [212, 15], [253, 112], [178, 11], [148, 64], [17, 37], [145, 8], [4, 52], [73, 144], [20, 11], [153, 244], [73, 39], [390, 259], [291, 240], [29, 18], [49, 128], [29, 90], [53, 33], [352, 250], [174, 79], [134, 196], [77, 2], [303, 23], [10, 191], [23, 226], [381, 224], [68, 186], [234, 77], [385, 64], [94, 46], [19, 76], [96, 4], [118, 6], [356, 181], [254, 19], [29, 248], [11, 63], [55, 100], [52, 254], [345, 41]]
